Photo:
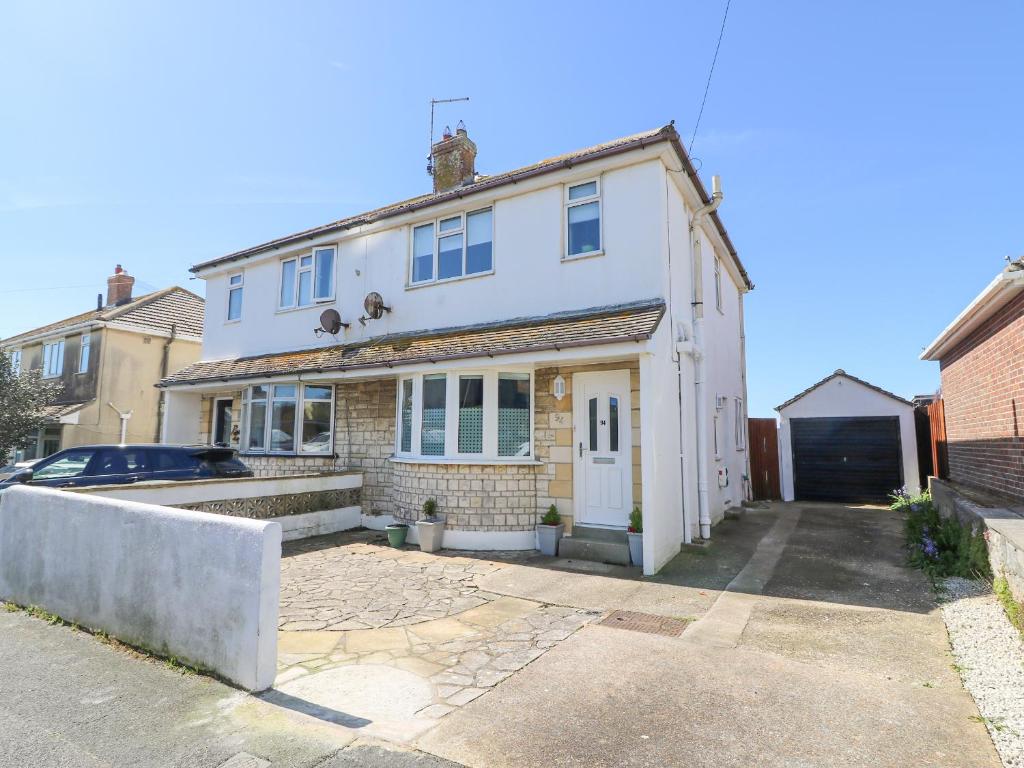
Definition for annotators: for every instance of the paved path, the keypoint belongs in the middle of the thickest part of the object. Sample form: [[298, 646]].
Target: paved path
[[825, 650]]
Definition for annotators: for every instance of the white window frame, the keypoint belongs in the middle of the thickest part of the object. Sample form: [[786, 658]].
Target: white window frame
[[84, 350], [489, 455], [240, 287], [313, 254], [716, 423], [300, 401], [438, 234], [49, 362], [567, 204], [740, 427], [15, 357], [718, 285]]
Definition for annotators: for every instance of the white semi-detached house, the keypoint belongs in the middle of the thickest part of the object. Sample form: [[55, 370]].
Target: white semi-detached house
[[570, 333]]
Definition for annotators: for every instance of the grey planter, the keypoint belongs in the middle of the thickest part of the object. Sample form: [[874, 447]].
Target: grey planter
[[547, 538], [431, 534], [636, 548]]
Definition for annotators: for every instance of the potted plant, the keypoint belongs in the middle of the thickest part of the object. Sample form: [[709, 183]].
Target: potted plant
[[549, 531], [396, 534], [635, 533], [430, 528]]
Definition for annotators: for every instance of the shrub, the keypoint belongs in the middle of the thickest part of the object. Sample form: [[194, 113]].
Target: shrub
[[551, 517], [430, 509], [636, 521], [940, 546]]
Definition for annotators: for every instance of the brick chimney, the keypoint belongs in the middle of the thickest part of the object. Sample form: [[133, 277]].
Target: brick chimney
[[453, 159], [119, 287]]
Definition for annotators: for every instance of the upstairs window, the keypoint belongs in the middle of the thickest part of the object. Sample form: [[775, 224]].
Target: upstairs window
[[741, 427], [453, 247], [15, 361], [83, 353], [236, 285], [53, 359], [307, 279], [478, 415], [718, 283], [583, 219]]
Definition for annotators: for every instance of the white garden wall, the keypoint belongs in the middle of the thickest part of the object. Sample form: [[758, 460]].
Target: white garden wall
[[200, 587]]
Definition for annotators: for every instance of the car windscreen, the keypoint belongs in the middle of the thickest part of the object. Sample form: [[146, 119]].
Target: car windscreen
[[70, 463]]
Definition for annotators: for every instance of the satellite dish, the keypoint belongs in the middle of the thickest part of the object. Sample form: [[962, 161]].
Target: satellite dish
[[373, 304], [330, 322]]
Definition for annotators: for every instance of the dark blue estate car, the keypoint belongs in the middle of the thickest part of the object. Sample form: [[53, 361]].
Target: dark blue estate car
[[116, 464]]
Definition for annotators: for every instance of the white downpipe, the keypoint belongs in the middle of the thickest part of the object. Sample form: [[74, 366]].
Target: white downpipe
[[124, 421], [701, 420]]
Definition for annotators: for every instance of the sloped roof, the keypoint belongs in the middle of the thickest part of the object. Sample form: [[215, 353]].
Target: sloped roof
[[56, 412], [596, 326], [840, 372], [636, 141], [155, 312]]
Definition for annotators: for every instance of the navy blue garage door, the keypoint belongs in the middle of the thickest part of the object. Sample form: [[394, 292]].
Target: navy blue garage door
[[846, 458]]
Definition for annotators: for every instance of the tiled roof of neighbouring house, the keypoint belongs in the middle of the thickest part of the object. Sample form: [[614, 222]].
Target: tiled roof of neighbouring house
[[637, 141], [845, 375], [599, 325], [155, 312], [59, 410]]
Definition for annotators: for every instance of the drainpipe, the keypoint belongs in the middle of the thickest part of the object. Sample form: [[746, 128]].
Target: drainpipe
[[164, 363], [124, 421], [703, 503]]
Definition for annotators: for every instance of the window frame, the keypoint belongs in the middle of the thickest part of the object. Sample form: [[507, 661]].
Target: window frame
[[48, 359], [597, 197], [84, 353], [489, 454], [462, 229], [718, 285], [240, 287], [245, 418], [297, 258], [14, 356], [716, 426], [739, 430]]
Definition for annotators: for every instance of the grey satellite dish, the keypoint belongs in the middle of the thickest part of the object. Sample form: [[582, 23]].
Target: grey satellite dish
[[330, 322], [374, 307]]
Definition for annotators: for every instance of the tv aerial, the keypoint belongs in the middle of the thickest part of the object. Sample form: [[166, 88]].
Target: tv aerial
[[430, 147]]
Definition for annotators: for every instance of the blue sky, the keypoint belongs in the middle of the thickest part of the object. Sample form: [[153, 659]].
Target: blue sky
[[869, 151]]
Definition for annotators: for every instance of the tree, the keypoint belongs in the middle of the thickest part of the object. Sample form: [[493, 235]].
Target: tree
[[22, 398]]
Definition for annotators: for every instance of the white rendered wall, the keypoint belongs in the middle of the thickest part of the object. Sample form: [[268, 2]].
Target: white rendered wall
[[530, 277], [181, 417], [202, 588], [842, 396]]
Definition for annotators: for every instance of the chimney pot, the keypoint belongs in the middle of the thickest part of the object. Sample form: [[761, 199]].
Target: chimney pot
[[119, 287], [453, 160]]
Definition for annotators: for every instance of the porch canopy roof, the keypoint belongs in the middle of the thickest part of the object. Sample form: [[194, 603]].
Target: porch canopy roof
[[58, 413], [590, 327]]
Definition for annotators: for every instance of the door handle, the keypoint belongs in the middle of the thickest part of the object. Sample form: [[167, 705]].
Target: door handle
[[581, 449]]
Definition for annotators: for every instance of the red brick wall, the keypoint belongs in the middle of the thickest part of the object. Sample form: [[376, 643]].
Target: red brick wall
[[983, 390]]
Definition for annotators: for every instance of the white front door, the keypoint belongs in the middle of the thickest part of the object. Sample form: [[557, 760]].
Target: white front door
[[602, 448]]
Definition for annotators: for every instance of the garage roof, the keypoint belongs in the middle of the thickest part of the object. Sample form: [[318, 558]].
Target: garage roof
[[837, 373]]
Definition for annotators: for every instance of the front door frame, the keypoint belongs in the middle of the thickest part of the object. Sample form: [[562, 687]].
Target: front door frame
[[216, 416], [580, 449]]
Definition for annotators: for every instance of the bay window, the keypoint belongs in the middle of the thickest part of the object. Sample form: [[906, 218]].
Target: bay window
[[288, 419], [453, 247], [473, 415], [307, 279]]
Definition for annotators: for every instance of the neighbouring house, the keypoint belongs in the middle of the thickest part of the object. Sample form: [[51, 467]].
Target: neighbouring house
[[846, 440], [569, 333], [981, 361], [108, 361]]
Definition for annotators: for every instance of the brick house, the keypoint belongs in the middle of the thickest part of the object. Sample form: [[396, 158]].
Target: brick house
[[502, 343], [981, 358]]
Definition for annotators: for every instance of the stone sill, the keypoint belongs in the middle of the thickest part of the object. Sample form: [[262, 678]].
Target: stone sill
[[471, 462]]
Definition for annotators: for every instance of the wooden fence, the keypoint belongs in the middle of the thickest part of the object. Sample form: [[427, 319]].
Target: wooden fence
[[763, 445], [937, 424]]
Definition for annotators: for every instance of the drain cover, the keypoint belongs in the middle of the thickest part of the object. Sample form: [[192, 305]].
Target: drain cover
[[645, 622]]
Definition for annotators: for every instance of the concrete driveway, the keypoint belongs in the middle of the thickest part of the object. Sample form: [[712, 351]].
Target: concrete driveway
[[824, 649]]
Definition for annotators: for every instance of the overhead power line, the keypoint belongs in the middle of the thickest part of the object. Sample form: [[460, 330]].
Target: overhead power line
[[707, 86]]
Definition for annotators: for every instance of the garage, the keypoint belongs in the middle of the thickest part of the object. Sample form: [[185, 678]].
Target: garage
[[846, 440]]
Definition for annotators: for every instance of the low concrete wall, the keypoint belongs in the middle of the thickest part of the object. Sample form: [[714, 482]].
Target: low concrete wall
[[1004, 531], [202, 588]]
